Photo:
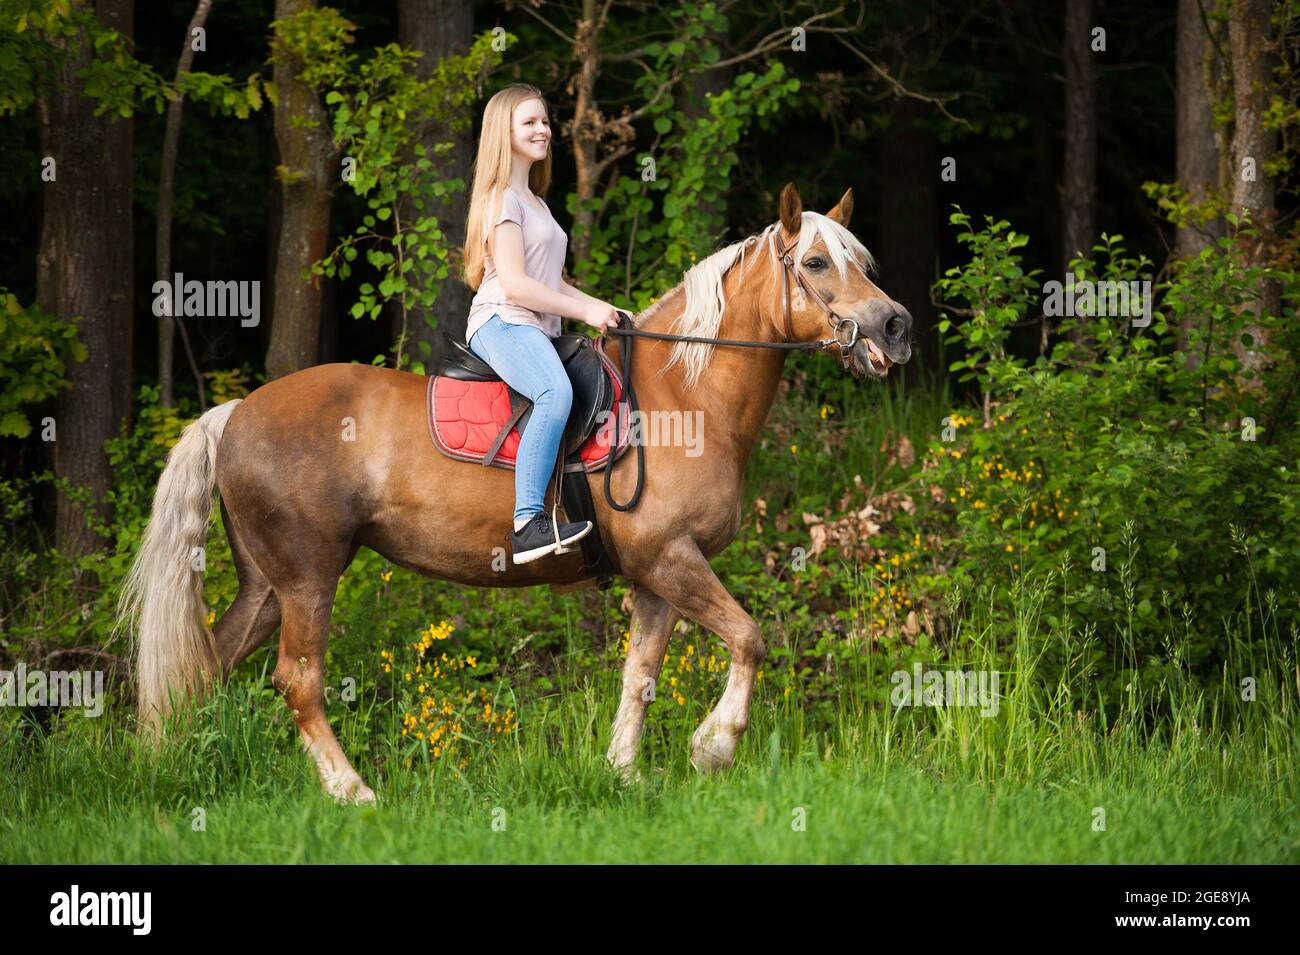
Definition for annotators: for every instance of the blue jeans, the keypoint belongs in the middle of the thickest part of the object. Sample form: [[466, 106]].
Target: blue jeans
[[526, 360]]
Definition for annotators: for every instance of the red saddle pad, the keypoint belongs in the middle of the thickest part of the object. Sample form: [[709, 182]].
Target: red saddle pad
[[466, 416]]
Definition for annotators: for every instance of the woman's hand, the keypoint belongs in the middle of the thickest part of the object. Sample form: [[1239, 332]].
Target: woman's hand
[[600, 315]]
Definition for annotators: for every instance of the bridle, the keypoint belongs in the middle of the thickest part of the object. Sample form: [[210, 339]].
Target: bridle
[[837, 322], [844, 331], [840, 328]]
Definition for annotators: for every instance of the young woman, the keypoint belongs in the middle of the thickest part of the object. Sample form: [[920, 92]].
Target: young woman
[[514, 257]]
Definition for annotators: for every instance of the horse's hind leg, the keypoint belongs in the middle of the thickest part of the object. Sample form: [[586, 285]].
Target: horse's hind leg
[[300, 677], [252, 618], [653, 619], [682, 576], [302, 561]]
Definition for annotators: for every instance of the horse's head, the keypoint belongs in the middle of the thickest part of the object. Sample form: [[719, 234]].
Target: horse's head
[[832, 264]]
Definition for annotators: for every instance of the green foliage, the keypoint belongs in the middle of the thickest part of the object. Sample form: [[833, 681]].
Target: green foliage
[[1151, 471], [40, 37], [314, 42], [996, 289], [35, 349], [222, 95], [29, 53], [36, 602], [672, 211], [1177, 205], [377, 107]]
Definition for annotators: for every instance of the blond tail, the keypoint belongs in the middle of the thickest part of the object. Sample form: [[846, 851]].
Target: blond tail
[[162, 598]]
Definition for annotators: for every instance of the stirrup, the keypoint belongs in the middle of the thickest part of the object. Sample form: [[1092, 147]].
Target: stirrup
[[555, 526]]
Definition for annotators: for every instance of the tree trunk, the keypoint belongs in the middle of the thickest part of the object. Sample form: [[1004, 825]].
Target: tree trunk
[[586, 128], [1079, 179], [166, 186], [909, 170], [84, 272], [1196, 146], [1197, 151], [1250, 34], [440, 29], [309, 166], [116, 171]]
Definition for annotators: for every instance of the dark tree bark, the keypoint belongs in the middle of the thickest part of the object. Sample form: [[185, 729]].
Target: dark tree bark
[[308, 170], [1197, 150], [906, 252], [1079, 179], [1250, 35], [116, 169], [440, 29], [586, 128], [84, 272], [1046, 164], [163, 246]]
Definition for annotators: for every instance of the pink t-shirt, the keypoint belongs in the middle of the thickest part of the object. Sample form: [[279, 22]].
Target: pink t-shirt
[[544, 247]]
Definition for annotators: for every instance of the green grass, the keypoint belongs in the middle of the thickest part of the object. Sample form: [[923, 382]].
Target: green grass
[[879, 785]]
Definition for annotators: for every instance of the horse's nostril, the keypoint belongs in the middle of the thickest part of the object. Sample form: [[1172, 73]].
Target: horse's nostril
[[894, 328]]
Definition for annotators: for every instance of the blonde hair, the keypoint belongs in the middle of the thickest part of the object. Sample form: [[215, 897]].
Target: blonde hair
[[492, 172]]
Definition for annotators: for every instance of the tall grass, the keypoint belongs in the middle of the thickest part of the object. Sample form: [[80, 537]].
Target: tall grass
[[1211, 778]]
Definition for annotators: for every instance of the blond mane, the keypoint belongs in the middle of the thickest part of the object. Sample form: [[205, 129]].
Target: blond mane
[[706, 299]]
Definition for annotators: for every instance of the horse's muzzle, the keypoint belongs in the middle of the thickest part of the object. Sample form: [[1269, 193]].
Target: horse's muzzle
[[884, 339]]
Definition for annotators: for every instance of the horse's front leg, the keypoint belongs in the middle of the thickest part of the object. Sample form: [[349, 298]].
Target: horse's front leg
[[653, 619], [682, 576]]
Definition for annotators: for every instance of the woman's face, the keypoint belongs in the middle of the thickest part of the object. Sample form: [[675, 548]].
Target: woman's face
[[530, 131]]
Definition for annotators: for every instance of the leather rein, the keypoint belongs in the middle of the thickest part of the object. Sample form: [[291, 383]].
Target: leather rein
[[839, 326]]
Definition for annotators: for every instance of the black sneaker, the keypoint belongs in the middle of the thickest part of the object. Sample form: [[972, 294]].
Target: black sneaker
[[538, 537]]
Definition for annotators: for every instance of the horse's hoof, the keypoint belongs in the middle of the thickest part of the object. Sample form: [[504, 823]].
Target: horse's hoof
[[364, 796], [627, 772], [355, 792], [712, 755]]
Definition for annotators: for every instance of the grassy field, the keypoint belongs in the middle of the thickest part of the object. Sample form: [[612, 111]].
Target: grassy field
[[881, 786], [1096, 753]]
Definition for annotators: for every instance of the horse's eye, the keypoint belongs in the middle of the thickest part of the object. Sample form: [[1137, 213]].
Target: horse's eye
[[815, 264]]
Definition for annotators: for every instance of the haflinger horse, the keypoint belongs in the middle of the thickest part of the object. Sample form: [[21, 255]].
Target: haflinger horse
[[302, 490]]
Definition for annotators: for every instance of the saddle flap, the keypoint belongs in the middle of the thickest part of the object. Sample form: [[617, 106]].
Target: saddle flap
[[592, 394], [566, 346]]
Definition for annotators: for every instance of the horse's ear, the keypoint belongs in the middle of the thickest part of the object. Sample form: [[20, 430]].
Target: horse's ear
[[843, 210], [791, 209]]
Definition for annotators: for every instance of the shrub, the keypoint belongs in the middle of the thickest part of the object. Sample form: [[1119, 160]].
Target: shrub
[[1170, 481]]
